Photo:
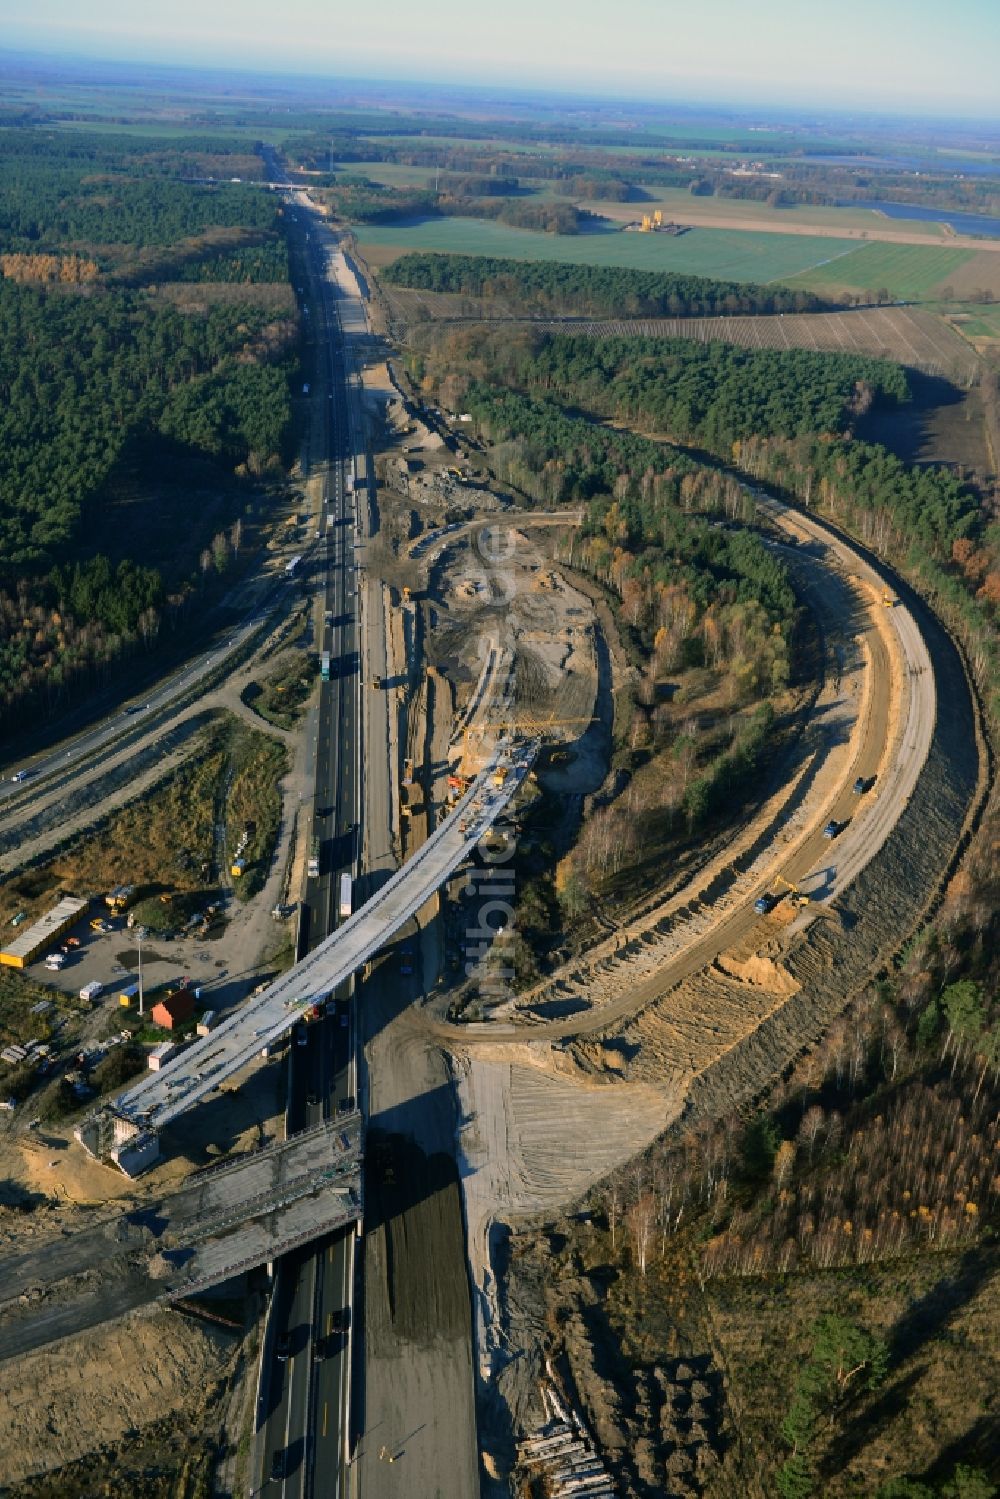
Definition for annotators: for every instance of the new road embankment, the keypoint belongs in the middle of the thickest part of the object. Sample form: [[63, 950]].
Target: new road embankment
[[710, 998]]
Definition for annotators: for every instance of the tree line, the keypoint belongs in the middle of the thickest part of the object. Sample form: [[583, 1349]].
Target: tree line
[[358, 200], [77, 375], [80, 378], [563, 289], [711, 394], [246, 263], [46, 209]]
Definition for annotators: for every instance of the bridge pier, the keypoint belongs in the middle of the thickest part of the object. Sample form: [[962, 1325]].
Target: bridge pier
[[109, 1138]]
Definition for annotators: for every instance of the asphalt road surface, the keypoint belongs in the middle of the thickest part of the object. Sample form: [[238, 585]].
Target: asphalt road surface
[[306, 1376]]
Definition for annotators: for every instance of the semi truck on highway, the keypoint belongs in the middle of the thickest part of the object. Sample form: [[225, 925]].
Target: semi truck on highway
[[325, 669], [312, 868], [345, 896]]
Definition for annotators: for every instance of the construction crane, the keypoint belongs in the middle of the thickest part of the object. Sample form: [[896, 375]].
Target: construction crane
[[795, 895]]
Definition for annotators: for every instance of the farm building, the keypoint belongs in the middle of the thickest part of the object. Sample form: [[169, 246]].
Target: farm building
[[174, 1009], [46, 930]]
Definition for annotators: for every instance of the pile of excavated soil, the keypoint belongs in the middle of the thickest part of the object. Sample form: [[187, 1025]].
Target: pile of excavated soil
[[81, 1393]]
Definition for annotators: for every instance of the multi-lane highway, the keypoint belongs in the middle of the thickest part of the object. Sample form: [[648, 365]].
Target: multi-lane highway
[[305, 1375]]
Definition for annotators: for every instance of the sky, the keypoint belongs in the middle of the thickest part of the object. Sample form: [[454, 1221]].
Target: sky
[[924, 56]]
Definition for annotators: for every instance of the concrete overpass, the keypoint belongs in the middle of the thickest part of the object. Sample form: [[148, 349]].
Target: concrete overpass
[[218, 1223], [127, 1130]]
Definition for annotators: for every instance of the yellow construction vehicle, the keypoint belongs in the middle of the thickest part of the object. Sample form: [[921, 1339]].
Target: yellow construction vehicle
[[406, 593], [500, 775], [532, 728], [889, 601], [795, 895], [376, 683]]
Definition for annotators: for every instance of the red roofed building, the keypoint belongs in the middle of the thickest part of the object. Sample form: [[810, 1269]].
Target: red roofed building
[[174, 1009]]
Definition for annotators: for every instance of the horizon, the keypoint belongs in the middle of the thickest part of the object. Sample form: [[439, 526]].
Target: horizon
[[941, 65]]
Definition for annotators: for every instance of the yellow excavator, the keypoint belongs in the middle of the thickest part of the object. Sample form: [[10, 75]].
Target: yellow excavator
[[795, 895]]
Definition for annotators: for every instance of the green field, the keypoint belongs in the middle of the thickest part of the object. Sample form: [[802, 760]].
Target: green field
[[722, 253], [907, 271], [389, 173], [736, 213], [984, 323]]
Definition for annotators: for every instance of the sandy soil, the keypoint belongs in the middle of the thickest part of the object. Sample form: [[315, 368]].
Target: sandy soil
[[61, 1402], [525, 647], [518, 1117]]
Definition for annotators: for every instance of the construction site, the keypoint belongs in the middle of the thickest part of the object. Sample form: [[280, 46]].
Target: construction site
[[502, 1081]]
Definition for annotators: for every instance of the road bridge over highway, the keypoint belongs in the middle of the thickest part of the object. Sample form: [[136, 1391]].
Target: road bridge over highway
[[127, 1131], [217, 1224]]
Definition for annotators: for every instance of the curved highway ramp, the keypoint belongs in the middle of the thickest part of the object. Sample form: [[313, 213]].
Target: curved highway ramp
[[126, 1131]]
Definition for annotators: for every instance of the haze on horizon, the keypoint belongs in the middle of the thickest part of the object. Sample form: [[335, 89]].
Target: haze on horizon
[[914, 55]]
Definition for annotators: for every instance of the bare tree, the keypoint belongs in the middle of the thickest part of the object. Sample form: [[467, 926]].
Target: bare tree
[[784, 1160], [613, 1208], [812, 1122], [641, 1221]]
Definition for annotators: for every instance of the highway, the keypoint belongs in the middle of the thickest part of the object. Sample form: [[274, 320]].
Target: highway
[[48, 771], [305, 1374]]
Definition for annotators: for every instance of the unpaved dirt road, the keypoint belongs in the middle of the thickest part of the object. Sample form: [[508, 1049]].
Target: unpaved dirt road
[[890, 738]]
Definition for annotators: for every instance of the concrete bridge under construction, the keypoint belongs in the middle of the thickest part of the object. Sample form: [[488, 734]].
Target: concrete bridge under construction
[[220, 1222], [127, 1130]]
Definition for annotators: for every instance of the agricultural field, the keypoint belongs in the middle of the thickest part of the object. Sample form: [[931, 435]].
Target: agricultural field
[[911, 336], [979, 273], [980, 327], [389, 173], [726, 254], [745, 213], [913, 273]]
